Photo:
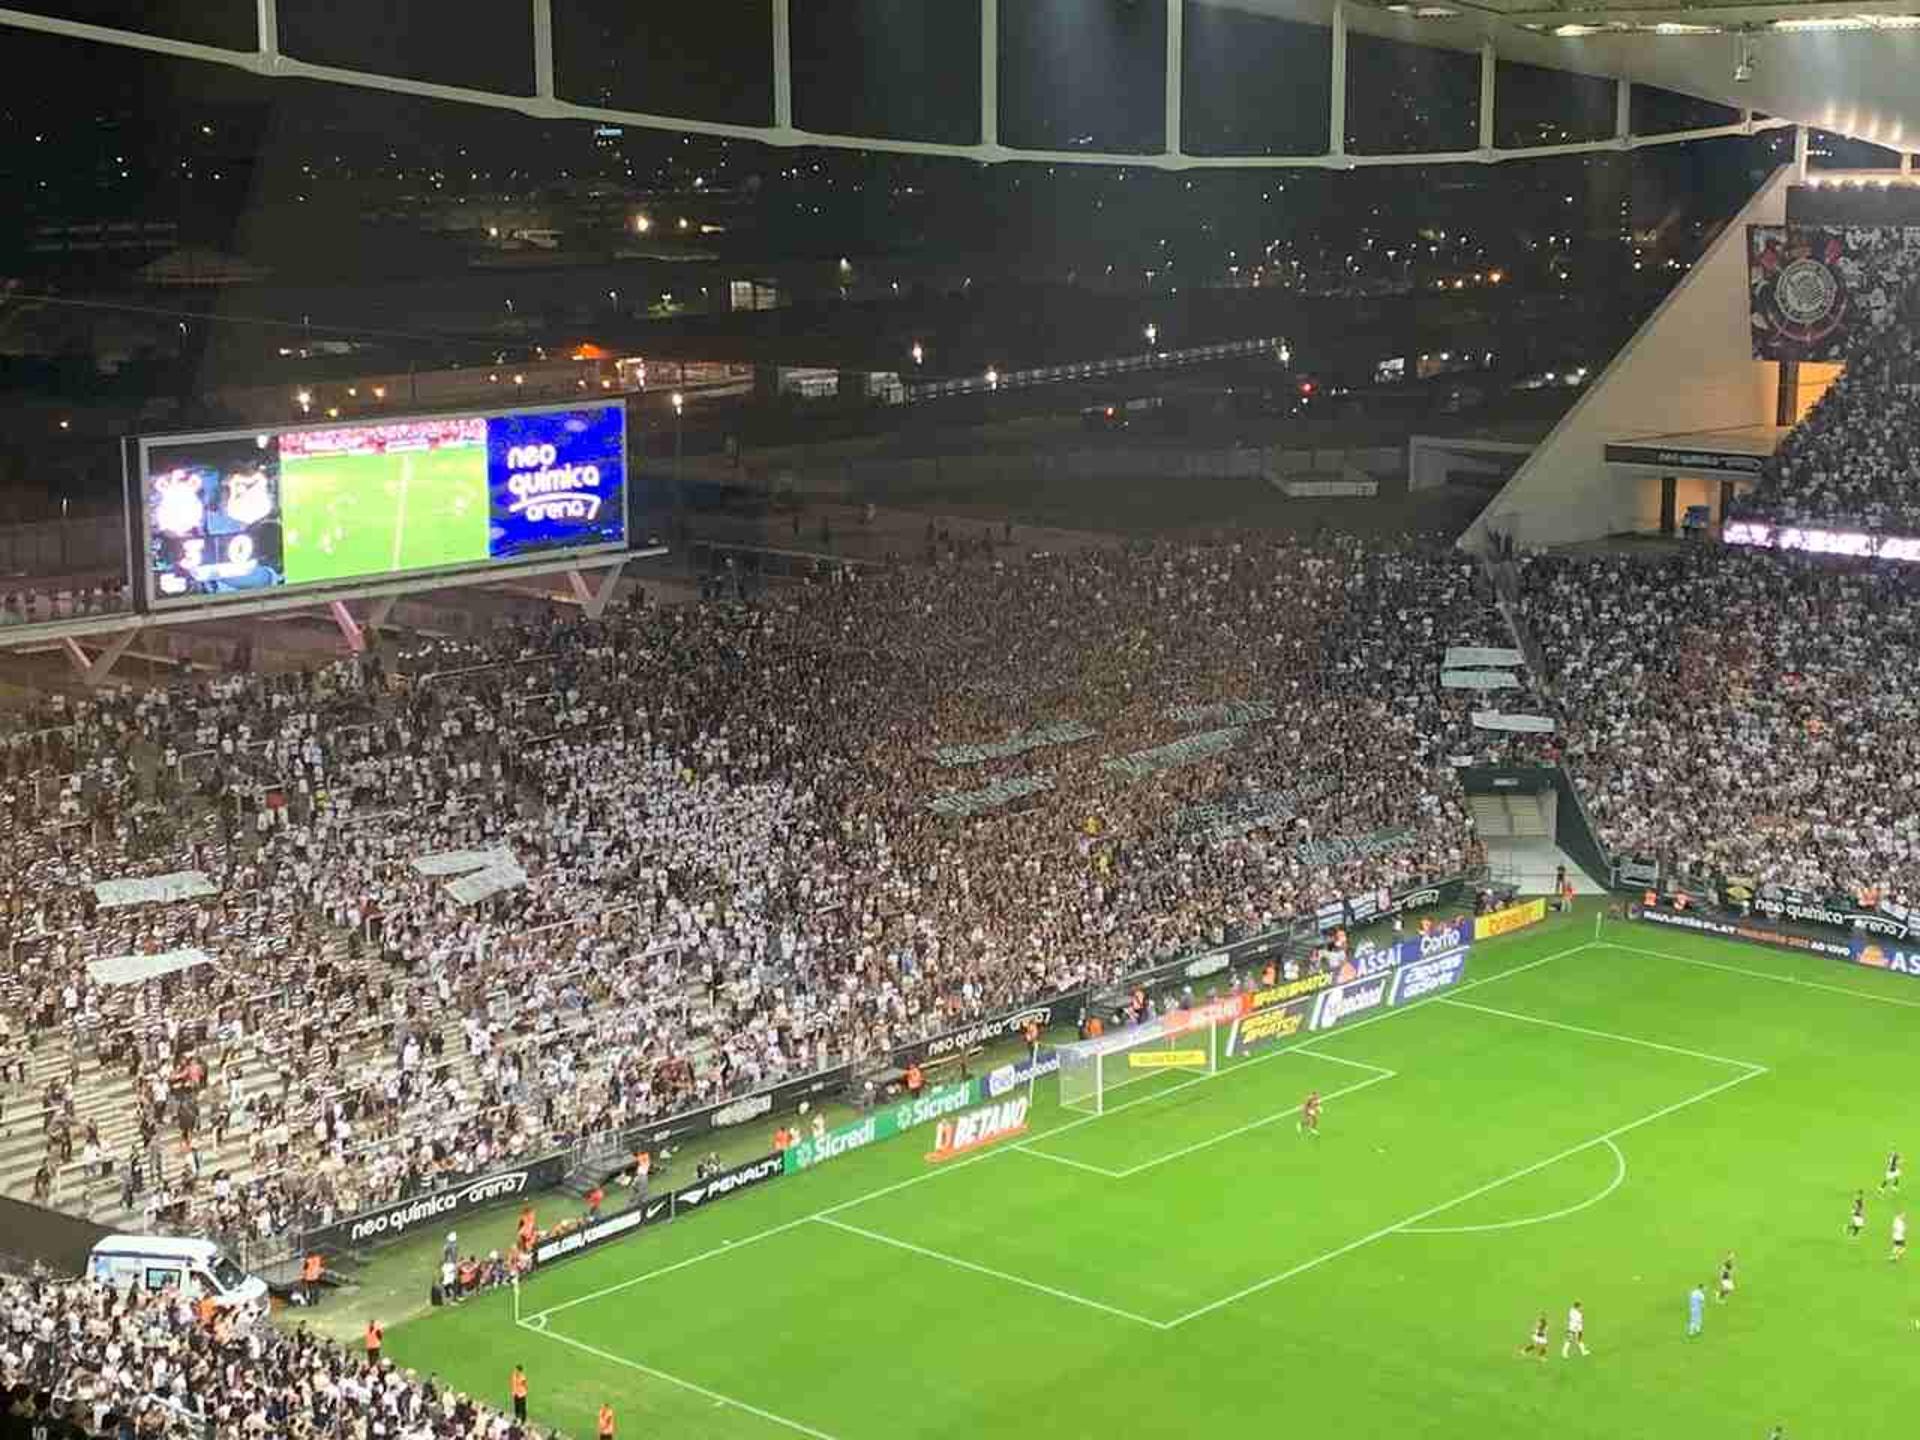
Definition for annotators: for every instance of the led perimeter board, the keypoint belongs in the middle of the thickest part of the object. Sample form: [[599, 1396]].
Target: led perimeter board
[[231, 514]]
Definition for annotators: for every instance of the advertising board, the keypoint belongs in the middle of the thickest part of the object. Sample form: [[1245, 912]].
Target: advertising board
[[1878, 955], [654, 1134], [403, 1217], [238, 513], [880, 1124], [658, 1209], [1506, 921], [1265, 1026], [1757, 932]]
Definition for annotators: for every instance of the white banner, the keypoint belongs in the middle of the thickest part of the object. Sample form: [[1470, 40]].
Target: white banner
[[1468, 657], [133, 969], [154, 889], [961, 803], [1142, 763], [1527, 724], [1479, 680], [459, 862], [1063, 733], [484, 884], [1227, 712]]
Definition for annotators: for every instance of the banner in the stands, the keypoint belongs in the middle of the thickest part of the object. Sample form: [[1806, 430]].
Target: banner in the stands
[[959, 804], [1520, 724], [1065, 732], [1479, 680], [1475, 657], [134, 969], [153, 889], [1189, 751]]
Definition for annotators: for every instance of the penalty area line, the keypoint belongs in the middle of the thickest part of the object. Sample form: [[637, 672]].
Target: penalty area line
[[1400, 1226], [987, 1270], [714, 1395]]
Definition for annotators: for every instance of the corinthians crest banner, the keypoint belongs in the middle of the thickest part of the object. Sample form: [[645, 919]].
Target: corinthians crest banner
[[1799, 300]]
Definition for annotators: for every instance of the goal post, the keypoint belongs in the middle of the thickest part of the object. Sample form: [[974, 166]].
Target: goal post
[[1152, 1054]]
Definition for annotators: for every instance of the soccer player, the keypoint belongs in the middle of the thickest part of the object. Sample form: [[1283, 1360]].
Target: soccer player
[[1538, 1344], [1310, 1114], [1696, 1310], [1576, 1331], [1892, 1179], [1899, 1236], [1857, 1221], [1726, 1279]]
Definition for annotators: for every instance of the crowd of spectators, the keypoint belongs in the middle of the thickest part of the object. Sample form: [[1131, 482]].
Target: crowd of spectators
[[1854, 461], [1740, 714], [83, 1357], [735, 875]]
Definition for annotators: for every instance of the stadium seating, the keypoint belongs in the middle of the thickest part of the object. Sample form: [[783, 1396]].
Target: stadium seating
[[736, 872]]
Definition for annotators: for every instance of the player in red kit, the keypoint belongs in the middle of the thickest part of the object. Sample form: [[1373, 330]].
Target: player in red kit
[[1310, 1114]]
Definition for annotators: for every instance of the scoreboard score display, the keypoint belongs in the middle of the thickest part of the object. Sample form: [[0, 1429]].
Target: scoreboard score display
[[245, 512]]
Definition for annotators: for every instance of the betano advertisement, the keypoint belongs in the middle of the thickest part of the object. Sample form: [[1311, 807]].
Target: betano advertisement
[[238, 514]]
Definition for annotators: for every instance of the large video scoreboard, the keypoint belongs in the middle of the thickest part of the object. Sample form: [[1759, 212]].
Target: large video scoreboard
[[249, 513]]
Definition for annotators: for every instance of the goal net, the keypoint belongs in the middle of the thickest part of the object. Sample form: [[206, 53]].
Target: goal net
[[1158, 1052]]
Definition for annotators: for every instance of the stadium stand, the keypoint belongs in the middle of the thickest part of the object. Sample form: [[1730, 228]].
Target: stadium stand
[[1854, 461], [1717, 702], [737, 873]]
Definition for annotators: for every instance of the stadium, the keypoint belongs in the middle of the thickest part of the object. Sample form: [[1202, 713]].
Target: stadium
[[479, 968]]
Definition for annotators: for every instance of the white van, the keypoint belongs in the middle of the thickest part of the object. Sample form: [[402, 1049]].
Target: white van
[[194, 1267]]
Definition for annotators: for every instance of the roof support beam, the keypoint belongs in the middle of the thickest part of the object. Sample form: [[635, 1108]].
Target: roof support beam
[[1489, 69], [1337, 108], [542, 48], [1176, 48], [990, 75], [782, 65], [266, 15]]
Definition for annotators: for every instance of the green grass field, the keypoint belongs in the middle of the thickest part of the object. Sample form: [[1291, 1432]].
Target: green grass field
[[347, 516], [1580, 1119]]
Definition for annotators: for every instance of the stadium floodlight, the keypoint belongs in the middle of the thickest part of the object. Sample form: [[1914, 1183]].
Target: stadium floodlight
[[1176, 1043]]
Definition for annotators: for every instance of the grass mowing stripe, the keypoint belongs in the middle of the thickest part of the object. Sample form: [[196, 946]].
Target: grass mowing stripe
[[621, 1285], [713, 1395], [990, 1272], [1619, 1179], [1849, 990], [1601, 1034], [1445, 1205]]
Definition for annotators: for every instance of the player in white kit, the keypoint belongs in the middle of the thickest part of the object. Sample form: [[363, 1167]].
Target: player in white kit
[[1576, 1331]]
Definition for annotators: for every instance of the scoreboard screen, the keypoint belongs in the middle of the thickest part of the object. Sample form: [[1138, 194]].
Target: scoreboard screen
[[238, 513]]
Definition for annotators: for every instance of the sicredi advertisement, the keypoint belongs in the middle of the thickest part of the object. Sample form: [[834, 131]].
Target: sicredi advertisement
[[234, 514]]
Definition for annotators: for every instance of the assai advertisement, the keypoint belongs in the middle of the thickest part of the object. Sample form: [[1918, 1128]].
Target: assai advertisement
[[227, 515]]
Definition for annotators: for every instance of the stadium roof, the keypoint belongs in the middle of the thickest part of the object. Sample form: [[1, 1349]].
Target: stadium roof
[[1847, 68]]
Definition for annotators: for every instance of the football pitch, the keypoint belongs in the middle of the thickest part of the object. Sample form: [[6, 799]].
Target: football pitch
[[1596, 1114], [352, 515]]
